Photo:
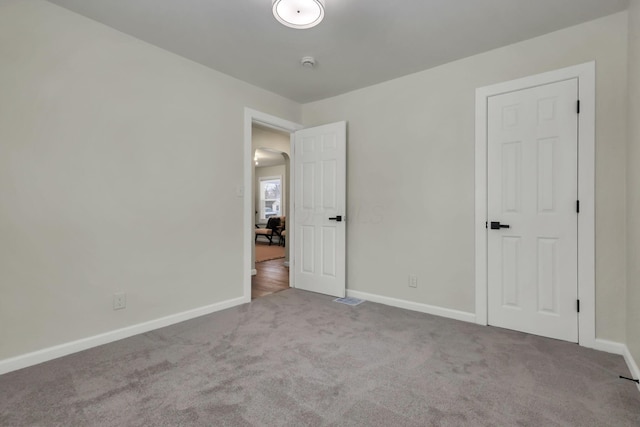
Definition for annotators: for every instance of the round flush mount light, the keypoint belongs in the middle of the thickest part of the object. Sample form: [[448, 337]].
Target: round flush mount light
[[299, 14]]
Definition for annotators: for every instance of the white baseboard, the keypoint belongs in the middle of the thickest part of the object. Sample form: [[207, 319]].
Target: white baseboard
[[414, 306], [622, 350], [631, 363], [44, 355], [609, 346], [254, 272]]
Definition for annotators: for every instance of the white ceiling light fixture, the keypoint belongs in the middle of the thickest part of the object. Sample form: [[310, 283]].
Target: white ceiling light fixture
[[299, 14]]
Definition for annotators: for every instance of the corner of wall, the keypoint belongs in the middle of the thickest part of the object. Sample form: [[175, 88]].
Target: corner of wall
[[633, 193]]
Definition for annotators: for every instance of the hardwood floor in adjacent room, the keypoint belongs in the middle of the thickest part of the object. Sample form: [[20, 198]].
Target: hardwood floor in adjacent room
[[272, 277]]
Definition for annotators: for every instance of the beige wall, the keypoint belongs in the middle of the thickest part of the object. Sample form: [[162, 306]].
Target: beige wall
[[411, 169], [633, 185], [267, 138], [119, 164]]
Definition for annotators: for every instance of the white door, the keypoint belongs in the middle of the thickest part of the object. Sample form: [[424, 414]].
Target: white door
[[532, 189], [320, 205]]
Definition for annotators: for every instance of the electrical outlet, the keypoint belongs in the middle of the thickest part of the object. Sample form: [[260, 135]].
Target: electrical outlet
[[413, 281], [119, 301]]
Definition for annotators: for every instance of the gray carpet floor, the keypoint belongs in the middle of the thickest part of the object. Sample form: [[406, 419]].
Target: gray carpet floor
[[296, 359]]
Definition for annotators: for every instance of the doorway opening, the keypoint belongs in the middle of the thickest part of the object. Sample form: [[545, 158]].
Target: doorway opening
[[271, 172], [315, 229], [273, 136]]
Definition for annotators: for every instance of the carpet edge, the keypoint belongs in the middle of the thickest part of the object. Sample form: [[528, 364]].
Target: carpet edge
[[60, 350], [631, 363], [415, 306], [620, 349]]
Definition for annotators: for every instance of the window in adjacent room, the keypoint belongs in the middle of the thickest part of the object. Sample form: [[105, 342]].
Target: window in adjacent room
[[270, 197]]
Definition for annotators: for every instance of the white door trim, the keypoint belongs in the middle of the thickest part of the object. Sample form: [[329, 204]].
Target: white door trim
[[585, 73], [253, 116]]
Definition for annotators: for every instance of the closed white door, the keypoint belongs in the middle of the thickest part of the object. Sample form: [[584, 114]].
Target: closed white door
[[532, 210], [320, 207]]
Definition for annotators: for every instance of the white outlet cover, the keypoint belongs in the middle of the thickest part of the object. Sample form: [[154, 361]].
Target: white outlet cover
[[119, 301], [413, 281]]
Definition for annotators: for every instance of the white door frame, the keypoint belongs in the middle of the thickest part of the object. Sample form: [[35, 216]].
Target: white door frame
[[251, 117], [585, 73]]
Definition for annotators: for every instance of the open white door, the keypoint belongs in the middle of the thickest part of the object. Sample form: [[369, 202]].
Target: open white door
[[320, 207]]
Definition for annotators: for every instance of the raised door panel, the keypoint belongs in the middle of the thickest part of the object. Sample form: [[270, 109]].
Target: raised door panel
[[532, 188], [319, 260]]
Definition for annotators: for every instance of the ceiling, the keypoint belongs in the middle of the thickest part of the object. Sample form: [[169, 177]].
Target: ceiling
[[359, 43], [268, 157]]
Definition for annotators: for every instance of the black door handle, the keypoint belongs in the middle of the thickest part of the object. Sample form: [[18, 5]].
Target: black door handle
[[497, 226], [337, 218]]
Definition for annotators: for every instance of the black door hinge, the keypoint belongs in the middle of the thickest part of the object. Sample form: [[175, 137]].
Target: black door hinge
[[486, 224], [578, 305], [578, 206], [578, 106]]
